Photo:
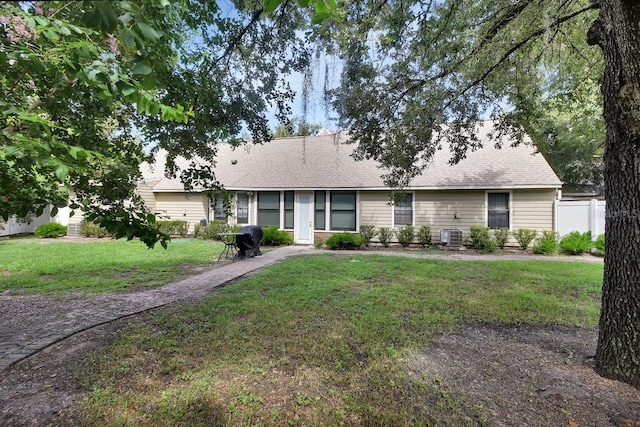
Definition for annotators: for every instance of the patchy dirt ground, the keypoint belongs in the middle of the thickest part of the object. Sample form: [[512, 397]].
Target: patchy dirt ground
[[520, 376], [531, 377]]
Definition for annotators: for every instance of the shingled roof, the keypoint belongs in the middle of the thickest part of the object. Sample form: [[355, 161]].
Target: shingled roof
[[325, 162]]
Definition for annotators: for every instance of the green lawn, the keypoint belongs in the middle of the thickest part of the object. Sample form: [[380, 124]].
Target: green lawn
[[324, 340], [33, 265]]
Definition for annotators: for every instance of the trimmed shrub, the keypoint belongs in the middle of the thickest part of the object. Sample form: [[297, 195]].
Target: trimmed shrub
[[367, 232], [385, 234], [406, 235], [274, 237], [501, 235], [174, 227], [50, 230], [478, 235], [576, 243], [211, 230], [479, 239], [599, 245], [343, 241], [524, 236], [198, 229], [90, 229], [424, 236], [548, 243]]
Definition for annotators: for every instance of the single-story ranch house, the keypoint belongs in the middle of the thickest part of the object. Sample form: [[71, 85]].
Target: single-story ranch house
[[312, 187]]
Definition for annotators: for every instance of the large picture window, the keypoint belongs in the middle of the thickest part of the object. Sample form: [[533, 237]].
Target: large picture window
[[269, 208], [320, 203], [498, 210], [403, 211], [343, 210], [288, 210], [242, 208]]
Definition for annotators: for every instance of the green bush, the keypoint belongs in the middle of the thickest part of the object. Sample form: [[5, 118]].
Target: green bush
[[479, 239], [576, 243], [547, 244], [524, 236], [367, 232], [273, 237], [344, 240], [211, 230], [385, 234], [198, 230], [90, 229], [599, 245], [51, 229], [406, 235], [501, 236], [319, 244], [424, 236], [174, 227], [478, 236]]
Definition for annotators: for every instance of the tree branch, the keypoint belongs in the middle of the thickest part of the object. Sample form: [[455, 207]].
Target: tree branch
[[505, 20], [521, 43], [233, 44]]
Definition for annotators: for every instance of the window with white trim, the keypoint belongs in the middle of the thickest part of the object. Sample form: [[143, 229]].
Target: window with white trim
[[498, 210], [343, 210], [403, 211], [218, 212], [242, 208], [269, 208], [319, 203], [288, 210]]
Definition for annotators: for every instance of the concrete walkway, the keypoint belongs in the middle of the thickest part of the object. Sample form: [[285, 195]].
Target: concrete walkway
[[31, 323]]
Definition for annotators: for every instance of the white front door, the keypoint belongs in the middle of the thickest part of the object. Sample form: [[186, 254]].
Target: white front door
[[303, 233]]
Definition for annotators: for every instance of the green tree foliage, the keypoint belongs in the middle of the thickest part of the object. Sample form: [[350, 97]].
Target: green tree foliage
[[296, 127], [72, 73], [75, 77], [416, 73]]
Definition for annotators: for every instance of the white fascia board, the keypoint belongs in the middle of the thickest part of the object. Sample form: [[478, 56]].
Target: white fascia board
[[410, 188]]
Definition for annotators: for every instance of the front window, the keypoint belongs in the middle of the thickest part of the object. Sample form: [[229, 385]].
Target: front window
[[319, 203], [242, 208], [498, 210], [219, 213], [269, 208], [403, 211], [288, 210], [343, 210]]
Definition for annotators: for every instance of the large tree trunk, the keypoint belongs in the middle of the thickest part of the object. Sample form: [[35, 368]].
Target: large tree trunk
[[617, 32]]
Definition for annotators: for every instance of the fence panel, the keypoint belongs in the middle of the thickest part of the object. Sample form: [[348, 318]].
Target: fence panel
[[580, 215]]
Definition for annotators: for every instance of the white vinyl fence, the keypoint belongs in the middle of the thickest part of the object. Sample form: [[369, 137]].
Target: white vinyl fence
[[580, 215], [14, 227]]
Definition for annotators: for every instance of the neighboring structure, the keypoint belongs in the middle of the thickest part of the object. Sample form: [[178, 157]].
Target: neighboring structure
[[15, 227], [312, 187]]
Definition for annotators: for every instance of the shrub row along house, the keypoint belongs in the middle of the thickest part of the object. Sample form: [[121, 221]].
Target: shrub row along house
[[312, 187]]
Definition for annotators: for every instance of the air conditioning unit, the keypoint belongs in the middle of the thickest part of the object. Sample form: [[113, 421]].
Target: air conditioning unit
[[451, 237], [73, 230]]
